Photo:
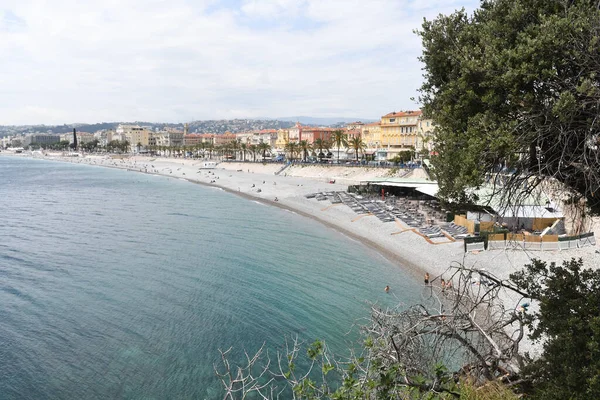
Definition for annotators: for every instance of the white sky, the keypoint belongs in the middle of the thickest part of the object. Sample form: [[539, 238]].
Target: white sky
[[66, 61]]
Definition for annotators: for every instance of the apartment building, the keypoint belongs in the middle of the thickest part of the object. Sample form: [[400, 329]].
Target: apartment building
[[40, 139], [82, 137], [170, 138], [104, 136], [225, 138], [283, 138], [371, 135]]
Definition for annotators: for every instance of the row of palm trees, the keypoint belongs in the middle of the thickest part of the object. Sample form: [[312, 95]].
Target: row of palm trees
[[226, 150], [338, 140], [293, 150]]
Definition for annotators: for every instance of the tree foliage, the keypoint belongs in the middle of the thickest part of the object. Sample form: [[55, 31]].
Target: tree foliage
[[403, 157], [568, 323], [514, 91]]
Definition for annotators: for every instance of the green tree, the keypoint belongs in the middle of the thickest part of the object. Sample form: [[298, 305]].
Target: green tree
[[244, 149], [358, 145], [339, 139], [263, 148], [403, 157], [321, 144], [210, 147], [304, 147], [568, 324], [292, 149], [253, 149], [515, 87], [234, 146], [90, 146]]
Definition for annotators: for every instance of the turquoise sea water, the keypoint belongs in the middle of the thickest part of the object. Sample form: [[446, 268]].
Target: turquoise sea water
[[115, 284]]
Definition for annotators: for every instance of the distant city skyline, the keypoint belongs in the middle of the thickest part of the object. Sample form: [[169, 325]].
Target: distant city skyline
[[174, 61]]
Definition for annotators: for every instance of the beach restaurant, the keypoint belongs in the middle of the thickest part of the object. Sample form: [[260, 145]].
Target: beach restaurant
[[534, 213]]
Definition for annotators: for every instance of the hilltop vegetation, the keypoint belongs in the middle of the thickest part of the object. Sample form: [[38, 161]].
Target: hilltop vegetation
[[210, 126]]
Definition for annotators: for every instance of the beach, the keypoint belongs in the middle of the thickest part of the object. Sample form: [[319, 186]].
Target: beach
[[393, 240]]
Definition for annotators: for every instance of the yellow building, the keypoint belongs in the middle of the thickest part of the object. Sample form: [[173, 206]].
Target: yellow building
[[139, 137], [283, 138], [400, 132], [371, 135]]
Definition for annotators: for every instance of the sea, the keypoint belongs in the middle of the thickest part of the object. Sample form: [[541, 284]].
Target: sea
[[117, 284]]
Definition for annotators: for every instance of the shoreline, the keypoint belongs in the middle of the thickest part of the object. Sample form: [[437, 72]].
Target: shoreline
[[390, 240]]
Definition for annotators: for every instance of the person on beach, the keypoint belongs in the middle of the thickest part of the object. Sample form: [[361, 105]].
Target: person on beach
[[426, 279], [449, 285], [443, 285], [387, 289], [276, 199]]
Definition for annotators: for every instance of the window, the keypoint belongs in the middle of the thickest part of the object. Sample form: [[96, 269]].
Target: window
[[392, 120]]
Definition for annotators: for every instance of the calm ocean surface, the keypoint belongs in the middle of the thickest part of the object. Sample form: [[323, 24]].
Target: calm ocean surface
[[115, 284]]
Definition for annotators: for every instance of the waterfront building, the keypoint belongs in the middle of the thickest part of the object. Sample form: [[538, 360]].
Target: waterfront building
[[283, 138], [268, 136], [371, 135], [41, 139], [104, 136], [170, 137], [224, 138], [244, 137], [82, 137], [355, 126], [295, 133], [404, 130], [135, 135], [194, 139], [310, 134]]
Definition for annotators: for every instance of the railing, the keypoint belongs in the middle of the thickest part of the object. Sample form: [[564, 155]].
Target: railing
[[503, 241]]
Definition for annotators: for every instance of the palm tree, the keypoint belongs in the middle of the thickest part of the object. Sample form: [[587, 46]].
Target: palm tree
[[292, 148], [263, 148], [339, 138], [210, 147], [253, 149], [319, 144], [358, 145], [234, 146], [244, 148], [305, 147]]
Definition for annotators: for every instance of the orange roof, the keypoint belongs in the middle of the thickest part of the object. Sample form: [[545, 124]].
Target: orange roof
[[403, 114], [374, 124]]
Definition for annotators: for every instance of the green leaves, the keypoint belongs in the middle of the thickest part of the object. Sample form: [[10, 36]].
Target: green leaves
[[568, 320], [315, 349], [513, 74]]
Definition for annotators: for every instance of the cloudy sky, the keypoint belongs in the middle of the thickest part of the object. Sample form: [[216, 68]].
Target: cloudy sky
[[65, 61]]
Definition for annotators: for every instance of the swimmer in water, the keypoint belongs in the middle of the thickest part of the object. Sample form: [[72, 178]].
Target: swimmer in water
[[387, 289]]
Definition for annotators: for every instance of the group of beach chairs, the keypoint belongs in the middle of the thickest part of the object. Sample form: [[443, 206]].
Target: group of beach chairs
[[456, 231], [333, 197], [388, 210]]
